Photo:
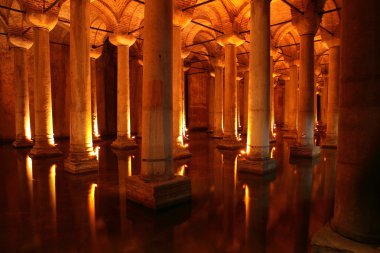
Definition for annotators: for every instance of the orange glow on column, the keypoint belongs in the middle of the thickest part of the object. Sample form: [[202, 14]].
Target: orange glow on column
[[91, 209], [182, 170], [246, 200], [29, 175], [52, 187], [129, 166], [272, 152]]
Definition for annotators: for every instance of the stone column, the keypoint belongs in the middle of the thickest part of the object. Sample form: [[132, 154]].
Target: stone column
[[94, 55], [292, 97], [44, 145], [218, 65], [211, 92], [245, 108], [333, 94], [139, 92], [271, 101], [257, 158], [82, 157], [180, 20], [230, 138], [357, 191], [157, 186], [307, 26], [20, 79], [239, 100], [124, 139], [184, 126]]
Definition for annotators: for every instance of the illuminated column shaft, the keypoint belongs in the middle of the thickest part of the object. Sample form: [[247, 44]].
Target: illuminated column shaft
[[218, 64], [292, 101], [271, 96], [211, 92], [157, 128], [180, 151], [245, 109], [23, 135], [43, 116], [123, 140], [81, 157], [260, 85], [333, 97], [94, 97]]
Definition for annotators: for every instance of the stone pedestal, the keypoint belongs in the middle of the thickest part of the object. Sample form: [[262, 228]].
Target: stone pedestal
[[230, 121], [160, 194], [44, 145], [82, 157], [22, 116], [124, 139], [305, 151], [260, 167]]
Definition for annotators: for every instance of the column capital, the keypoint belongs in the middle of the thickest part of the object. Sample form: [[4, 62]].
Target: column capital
[[185, 53], [308, 22], [95, 53], [180, 18], [217, 61], [230, 39], [122, 39], [42, 20], [20, 41]]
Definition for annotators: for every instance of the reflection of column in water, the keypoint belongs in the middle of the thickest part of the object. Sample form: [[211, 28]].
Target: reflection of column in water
[[29, 176], [91, 210], [303, 186], [52, 173], [256, 210]]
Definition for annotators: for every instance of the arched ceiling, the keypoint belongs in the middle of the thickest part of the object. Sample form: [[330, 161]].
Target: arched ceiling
[[208, 22]]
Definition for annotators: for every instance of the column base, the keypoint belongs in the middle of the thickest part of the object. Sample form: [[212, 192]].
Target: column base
[[23, 143], [158, 195], [328, 241], [230, 144], [82, 163], [44, 151], [181, 152], [124, 143], [305, 151], [330, 142], [260, 167], [217, 135]]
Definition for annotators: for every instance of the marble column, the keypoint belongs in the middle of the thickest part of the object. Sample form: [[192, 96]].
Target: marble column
[[271, 101], [139, 98], [124, 139], [211, 92], [230, 138], [218, 65], [180, 20], [157, 186], [292, 97], [20, 79], [307, 26], [82, 157], [356, 224], [245, 108], [257, 158], [44, 145], [333, 94], [94, 55]]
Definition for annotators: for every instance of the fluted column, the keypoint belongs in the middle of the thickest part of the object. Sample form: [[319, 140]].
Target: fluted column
[[157, 186], [333, 94], [245, 108], [218, 65], [81, 157], [180, 20], [307, 26], [230, 137], [94, 55], [44, 145], [20, 80], [257, 158], [124, 139], [292, 97], [211, 91], [357, 191]]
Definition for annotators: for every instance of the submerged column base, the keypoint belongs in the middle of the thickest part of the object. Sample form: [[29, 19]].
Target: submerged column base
[[158, 195], [78, 163], [122, 142], [230, 144], [43, 151], [22, 143], [260, 167], [328, 241], [304, 151]]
